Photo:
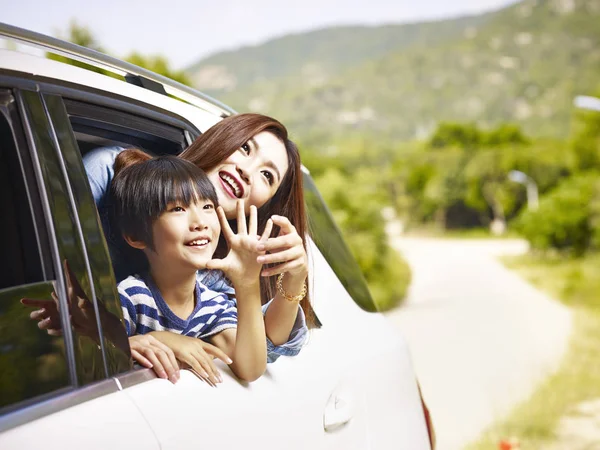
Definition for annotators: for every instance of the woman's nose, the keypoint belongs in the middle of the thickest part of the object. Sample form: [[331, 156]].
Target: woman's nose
[[244, 172]]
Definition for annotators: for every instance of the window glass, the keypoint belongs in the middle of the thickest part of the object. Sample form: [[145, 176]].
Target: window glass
[[330, 242], [32, 363], [71, 265], [104, 286]]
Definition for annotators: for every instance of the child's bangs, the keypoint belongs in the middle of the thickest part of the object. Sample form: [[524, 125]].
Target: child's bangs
[[182, 191], [182, 184]]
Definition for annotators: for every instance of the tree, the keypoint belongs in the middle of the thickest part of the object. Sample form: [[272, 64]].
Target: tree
[[81, 35], [158, 64]]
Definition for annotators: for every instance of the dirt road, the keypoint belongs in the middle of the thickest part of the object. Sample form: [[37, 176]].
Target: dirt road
[[481, 337]]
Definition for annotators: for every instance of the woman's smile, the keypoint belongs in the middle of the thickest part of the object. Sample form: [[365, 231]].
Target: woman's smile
[[231, 185]]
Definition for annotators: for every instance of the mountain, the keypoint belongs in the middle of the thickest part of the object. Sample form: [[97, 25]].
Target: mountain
[[523, 64], [315, 55]]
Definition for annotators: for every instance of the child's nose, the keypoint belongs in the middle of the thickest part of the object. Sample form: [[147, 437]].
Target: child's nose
[[196, 220]]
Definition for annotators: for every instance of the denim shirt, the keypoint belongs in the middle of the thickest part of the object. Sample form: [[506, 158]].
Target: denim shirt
[[98, 164]]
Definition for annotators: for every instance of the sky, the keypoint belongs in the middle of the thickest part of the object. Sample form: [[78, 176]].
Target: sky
[[187, 30]]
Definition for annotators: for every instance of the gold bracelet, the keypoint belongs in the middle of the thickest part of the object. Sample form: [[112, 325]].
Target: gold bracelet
[[290, 298]]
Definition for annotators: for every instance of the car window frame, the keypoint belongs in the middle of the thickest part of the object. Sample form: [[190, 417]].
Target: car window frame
[[40, 406]]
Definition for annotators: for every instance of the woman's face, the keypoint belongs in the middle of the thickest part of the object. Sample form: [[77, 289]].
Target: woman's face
[[252, 173]]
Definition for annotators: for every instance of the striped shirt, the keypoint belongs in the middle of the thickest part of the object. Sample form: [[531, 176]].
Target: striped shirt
[[145, 310]]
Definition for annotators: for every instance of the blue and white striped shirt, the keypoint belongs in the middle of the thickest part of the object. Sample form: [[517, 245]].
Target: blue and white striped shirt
[[144, 310]]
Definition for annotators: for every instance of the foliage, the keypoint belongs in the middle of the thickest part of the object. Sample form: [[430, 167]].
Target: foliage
[[357, 212], [563, 218], [159, 65], [81, 35]]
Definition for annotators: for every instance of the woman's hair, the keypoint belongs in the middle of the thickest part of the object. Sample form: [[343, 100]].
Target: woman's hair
[[143, 187], [227, 136]]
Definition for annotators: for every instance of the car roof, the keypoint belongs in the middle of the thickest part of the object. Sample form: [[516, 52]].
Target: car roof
[[194, 106]]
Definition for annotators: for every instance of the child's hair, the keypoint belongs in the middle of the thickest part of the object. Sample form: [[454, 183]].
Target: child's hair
[[143, 187]]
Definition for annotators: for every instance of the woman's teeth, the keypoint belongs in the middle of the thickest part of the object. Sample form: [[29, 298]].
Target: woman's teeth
[[233, 184], [199, 242]]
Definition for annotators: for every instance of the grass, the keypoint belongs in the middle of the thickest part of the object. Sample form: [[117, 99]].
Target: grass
[[576, 283], [464, 233]]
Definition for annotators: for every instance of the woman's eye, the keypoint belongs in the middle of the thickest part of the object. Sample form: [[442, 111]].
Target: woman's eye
[[269, 176], [246, 148]]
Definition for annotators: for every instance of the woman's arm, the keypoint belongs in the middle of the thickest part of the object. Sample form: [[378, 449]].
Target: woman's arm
[[287, 249]]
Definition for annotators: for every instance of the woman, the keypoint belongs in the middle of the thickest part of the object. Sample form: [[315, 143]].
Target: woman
[[250, 157]]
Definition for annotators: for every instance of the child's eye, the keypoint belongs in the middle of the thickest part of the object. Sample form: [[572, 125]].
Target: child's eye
[[269, 176], [177, 209], [246, 148], [208, 206]]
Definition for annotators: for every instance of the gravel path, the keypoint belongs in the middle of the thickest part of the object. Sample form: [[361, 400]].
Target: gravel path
[[481, 337]]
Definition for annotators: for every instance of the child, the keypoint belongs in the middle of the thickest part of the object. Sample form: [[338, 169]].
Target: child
[[165, 207]]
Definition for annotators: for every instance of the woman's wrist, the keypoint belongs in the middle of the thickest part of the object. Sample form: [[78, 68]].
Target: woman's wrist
[[293, 289]]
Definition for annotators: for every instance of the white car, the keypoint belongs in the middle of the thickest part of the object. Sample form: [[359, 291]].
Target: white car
[[352, 387]]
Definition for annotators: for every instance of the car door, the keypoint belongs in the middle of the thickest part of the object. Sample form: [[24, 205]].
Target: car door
[[376, 402], [282, 403], [55, 391]]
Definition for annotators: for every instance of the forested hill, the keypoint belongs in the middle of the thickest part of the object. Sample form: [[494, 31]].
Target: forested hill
[[317, 54], [524, 63]]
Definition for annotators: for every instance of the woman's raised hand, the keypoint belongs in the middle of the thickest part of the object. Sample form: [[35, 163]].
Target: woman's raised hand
[[287, 249], [241, 264]]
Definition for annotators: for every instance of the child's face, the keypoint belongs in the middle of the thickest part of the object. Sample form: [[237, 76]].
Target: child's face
[[185, 236]]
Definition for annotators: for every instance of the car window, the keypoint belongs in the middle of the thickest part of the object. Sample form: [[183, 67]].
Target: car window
[[330, 242], [32, 362], [103, 286], [100, 126], [73, 281]]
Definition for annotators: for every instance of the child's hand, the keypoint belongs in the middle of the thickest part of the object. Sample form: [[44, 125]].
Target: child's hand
[[153, 354], [240, 264], [195, 354]]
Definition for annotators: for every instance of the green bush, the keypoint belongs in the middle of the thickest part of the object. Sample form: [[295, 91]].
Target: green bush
[[355, 202], [565, 217]]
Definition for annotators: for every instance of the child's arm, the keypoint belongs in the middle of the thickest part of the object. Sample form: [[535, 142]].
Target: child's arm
[[247, 345]]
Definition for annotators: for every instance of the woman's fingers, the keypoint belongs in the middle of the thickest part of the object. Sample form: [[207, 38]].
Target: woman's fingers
[[284, 223], [225, 228], [286, 241], [253, 221], [283, 256], [267, 231], [241, 218], [281, 268]]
